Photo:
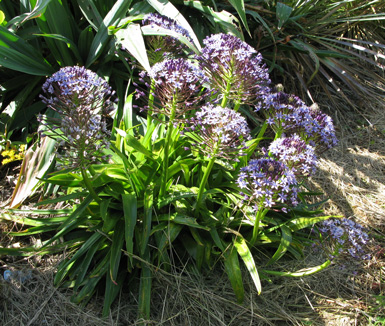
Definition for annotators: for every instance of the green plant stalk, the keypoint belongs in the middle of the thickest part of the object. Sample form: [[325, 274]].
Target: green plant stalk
[[226, 93], [166, 148], [88, 184], [258, 218], [150, 103], [205, 178]]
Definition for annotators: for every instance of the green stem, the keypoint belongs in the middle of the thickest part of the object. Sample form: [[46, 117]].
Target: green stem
[[226, 94], [88, 184], [150, 103], [204, 180], [258, 218], [237, 105], [166, 150]]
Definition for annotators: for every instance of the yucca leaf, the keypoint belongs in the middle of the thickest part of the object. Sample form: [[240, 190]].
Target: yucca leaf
[[234, 273], [244, 251]]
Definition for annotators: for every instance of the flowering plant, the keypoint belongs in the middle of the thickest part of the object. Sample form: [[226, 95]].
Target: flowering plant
[[184, 172]]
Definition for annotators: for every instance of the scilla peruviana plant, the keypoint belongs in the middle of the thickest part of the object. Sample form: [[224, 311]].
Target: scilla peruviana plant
[[186, 174]]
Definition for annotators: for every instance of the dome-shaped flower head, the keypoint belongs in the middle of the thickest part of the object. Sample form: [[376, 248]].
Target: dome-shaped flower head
[[295, 153], [289, 114], [177, 89], [267, 183], [82, 100], [222, 130], [164, 46], [234, 68]]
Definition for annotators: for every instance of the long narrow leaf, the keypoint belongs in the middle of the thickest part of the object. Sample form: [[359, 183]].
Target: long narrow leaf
[[130, 218], [17, 54], [166, 8], [233, 271], [244, 251], [101, 39]]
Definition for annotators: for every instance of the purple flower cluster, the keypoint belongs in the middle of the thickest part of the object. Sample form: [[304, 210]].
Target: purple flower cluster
[[164, 46], [295, 153], [289, 114], [234, 68], [178, 86], [223, 131], [268, 183], [350, 236], [82, 100]]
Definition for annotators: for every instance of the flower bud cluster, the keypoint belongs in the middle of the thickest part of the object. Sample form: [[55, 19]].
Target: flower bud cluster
[[289, 114], [267, 183], [164, 46], [178, 86], [350, 236], [295, 153], [234, 68], [223, 131], [82, 99]]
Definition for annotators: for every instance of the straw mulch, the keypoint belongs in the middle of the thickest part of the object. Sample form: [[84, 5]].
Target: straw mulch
[[349, 292]]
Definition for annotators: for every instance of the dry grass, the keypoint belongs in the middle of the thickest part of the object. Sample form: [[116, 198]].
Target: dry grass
[[352, 175]]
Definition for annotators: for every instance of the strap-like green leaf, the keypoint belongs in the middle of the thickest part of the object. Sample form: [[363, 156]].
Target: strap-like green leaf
[[166, 8], [101, 39], [132, 39], [302, 272], [240, 8], [286, 239], [244, 252], [17, 54], [130, 217], [233, 271]]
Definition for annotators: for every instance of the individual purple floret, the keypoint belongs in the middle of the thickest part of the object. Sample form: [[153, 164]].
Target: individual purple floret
[[296, 154], [267, 183], [178, 85], [234, 68], [223, 131], [350, 236], [289, 114], [164, 46], [82, 99]]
